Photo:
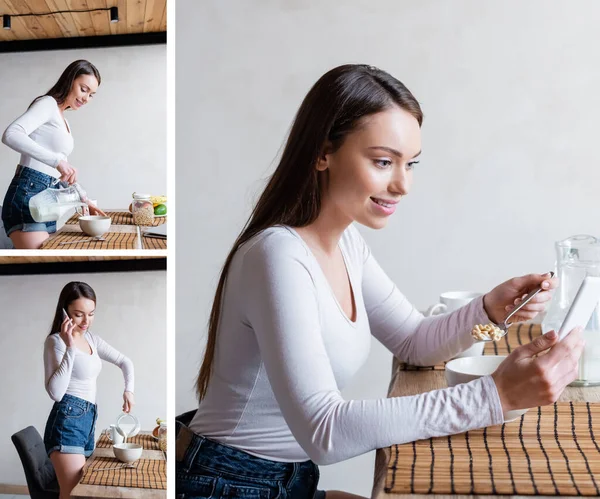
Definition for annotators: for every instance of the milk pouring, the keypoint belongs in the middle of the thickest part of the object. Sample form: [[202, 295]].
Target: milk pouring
[[51, 204]]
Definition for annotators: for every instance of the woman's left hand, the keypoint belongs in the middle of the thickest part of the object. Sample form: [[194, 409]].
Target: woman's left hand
[[94, 210], [128, 401], [499, 302]]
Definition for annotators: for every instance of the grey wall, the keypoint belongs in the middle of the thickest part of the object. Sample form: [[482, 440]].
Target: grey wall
[[510, 163], [130, 316], [120, 135]]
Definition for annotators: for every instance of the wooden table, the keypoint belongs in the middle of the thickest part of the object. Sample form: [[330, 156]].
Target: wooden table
[[406, 383], [129, 236], [101, 491]]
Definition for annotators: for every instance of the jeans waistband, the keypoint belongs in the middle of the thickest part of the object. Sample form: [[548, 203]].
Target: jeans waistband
[[193, 450], [76, 401], [30, 173]]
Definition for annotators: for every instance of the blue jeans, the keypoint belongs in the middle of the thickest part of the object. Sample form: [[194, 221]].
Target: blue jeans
[[206, 469], [70, 427], [15, 209]]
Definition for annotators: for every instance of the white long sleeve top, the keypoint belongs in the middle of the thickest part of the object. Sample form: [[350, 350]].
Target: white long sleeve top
[[74, 372], [285, 349], [42, 136]]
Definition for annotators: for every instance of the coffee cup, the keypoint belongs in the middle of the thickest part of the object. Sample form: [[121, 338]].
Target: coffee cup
[[114, 435], [451, 301]]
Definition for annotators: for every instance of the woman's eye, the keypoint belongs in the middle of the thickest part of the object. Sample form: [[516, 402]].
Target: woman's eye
[[411, 165], [382, 163]]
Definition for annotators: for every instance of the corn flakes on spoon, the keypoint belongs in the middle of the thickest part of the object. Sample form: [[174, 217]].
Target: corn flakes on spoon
[[494, 332]]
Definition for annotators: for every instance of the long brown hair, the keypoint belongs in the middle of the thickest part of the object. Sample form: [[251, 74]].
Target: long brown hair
[[332, 109], [63, 86], [71, 292]]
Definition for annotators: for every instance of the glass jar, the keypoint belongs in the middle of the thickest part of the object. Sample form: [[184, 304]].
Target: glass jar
[[51, 204], [162, 436], [142, 209]]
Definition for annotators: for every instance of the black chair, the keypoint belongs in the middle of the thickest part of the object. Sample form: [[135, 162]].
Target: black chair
[[185, 419], [39, 472]]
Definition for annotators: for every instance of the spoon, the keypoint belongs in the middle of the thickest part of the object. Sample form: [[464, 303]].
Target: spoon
[[505, 325], [89, 240]]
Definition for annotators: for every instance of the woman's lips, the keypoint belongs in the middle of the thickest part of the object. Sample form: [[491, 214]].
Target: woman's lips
[[384, 207]]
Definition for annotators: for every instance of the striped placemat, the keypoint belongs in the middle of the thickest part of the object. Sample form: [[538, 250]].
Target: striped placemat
[[119, 218], [147, 474], [519, 334], [154, 243], [551, 450], [113, 240], [148, 442]]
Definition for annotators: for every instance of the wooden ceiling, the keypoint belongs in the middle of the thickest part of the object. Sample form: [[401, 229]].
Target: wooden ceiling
[[135, 16]]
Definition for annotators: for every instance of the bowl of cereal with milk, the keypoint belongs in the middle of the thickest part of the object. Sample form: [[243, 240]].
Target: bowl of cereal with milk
[[468, 369]]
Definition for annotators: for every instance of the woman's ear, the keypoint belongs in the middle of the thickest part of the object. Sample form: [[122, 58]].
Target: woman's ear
[[323, 162]]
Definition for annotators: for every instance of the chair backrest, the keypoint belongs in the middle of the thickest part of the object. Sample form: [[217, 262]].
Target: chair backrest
[[39, 472], [5, 242]]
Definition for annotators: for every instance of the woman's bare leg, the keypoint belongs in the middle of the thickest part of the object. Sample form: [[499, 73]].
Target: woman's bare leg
[[68, 471], [338, 494], [28, 240]]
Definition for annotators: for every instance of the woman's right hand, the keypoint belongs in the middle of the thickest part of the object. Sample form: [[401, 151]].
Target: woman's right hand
[[66, 332], [68, 173], [525, 380]]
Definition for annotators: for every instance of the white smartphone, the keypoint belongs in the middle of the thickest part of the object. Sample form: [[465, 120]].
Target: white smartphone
[[65, 315], [582, 308]]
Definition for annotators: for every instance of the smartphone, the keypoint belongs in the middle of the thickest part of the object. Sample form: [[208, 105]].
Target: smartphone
[[65, 315], [582, 308]]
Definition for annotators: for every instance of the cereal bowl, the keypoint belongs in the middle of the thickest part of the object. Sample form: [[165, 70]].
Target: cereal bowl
[[128, 453], [94, 225], [467, 369]]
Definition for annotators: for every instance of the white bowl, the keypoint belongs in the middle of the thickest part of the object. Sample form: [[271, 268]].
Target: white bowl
[[467, 369], [94, 225], [128, 453]]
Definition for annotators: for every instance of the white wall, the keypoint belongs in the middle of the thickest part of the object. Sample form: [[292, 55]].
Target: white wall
[[510, 162], [120, 135], [130, 316]]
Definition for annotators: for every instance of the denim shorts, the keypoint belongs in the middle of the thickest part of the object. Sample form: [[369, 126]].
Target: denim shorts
[[206, 469], [70, 427], [15, 208]]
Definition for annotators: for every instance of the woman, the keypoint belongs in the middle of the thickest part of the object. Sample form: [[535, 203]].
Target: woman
[[43, 137], [72, 362], [301, 294]]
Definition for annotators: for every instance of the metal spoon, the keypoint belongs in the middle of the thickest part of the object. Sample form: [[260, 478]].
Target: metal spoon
[[505, 325], [88, 240]]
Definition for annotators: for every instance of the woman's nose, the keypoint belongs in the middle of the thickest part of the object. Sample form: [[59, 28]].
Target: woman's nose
[[400, 182]]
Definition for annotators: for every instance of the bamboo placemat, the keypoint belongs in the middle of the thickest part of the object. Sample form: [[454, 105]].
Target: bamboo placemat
[[119, 218], [519, 334], [147, 474], [154, 243], [551, 450], [113, 240], [148, 442]]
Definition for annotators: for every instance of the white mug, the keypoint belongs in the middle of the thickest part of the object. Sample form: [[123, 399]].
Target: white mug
[[451, 301], [113, 435]]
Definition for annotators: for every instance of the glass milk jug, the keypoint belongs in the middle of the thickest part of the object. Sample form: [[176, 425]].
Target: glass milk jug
[[51, 204], [577, 257]]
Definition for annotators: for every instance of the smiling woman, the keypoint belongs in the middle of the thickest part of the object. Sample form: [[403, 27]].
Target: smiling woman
[[43, 137]]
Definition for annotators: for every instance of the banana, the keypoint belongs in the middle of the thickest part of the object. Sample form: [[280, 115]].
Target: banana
[[158, 200]]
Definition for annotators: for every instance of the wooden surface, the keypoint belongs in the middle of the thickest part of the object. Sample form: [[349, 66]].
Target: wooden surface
[[98, 491], [6, 260], [406, 383], [135, 16]]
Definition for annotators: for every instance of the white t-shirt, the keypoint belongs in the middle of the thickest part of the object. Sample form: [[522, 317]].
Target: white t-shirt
[[42, 136], [72, 371], [285, 349]]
